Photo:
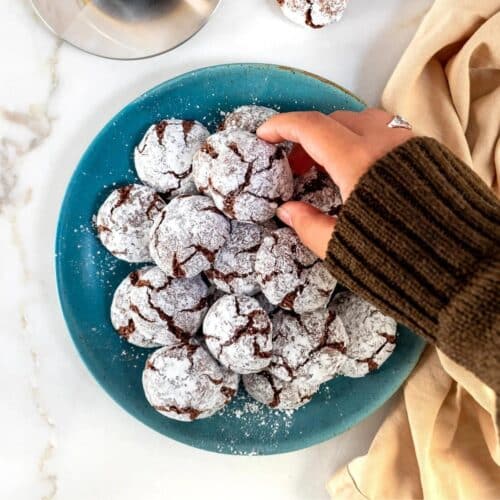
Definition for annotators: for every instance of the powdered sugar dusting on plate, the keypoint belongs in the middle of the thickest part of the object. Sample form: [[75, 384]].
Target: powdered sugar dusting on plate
[[256, 423]]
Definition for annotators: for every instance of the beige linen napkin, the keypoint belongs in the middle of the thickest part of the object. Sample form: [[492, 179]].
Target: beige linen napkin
[[440, 440]]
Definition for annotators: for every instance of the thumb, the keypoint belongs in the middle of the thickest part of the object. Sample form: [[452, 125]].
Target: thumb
[[313, 226]]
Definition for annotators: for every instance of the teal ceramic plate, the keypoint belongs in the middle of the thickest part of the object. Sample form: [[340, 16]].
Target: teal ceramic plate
[[87, 275]]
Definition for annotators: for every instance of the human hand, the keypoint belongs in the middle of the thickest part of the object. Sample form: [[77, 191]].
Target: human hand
[[345, 144]]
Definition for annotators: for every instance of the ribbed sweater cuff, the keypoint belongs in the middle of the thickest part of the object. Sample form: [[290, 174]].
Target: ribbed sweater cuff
[[418, 237]]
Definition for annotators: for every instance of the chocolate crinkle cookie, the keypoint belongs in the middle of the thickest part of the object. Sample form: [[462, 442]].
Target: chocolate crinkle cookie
[[372, 335], [121, 315], [310, 347], [185, 383], [124, 221], [276, 393], [163, 158], [233, 269], [290, 275], [238, 332], [246, 177], [248, 118], [313, 13], [317, 188], [187, 235], [168, 311]]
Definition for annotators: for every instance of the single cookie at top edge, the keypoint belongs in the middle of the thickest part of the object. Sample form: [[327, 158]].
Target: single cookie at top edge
[[124, 221], [246, 177], [185, 383], [187, 235], [163, 158], [290, 275], [313, 13], [167, 310], [238, 333], [372, 335]]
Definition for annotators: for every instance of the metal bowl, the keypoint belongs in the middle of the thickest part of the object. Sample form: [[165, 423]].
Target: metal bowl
[[125, 29]]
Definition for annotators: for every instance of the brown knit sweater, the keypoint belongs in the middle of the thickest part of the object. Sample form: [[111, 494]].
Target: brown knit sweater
[[419, 237]]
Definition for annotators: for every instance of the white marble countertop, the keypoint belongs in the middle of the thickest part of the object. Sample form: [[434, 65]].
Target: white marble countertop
[[61, 436]]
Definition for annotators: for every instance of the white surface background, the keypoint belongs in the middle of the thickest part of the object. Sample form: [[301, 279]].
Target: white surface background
[[61, 436]]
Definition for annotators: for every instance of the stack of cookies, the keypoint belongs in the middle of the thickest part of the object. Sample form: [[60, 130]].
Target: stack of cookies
[[226, 293]]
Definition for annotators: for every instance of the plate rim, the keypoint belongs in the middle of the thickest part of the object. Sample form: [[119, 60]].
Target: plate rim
[[287, 446]]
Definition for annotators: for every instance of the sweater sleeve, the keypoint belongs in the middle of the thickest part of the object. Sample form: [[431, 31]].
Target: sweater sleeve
[[419, 237]]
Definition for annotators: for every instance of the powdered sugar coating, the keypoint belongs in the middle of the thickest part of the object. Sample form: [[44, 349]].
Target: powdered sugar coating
[[238, 332], [125, 219], [121, 315], [246, 177], [249, 118], [185, 383], [313, 13], [163, 158], [311, 346], [167, 310], [290, 275], [277, 393], [233, 270], [186, 236], [317, 188], [372, 335]]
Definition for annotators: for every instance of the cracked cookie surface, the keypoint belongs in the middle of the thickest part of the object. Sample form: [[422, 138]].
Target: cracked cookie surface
[[185, 383], [276, 393], [310, 347], [124, 221], [168, 311], [317, 188], [313, 13], [186, 236], [290, 275], [163, 158], [238, 332], [121, 315], [249, 118], [246, 177], [233, 270], [372, 335]]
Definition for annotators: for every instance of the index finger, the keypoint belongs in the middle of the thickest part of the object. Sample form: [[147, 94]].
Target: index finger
[[323, 138]]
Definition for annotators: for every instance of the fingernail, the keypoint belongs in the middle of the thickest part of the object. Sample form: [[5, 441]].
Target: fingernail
[[284, 215]]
